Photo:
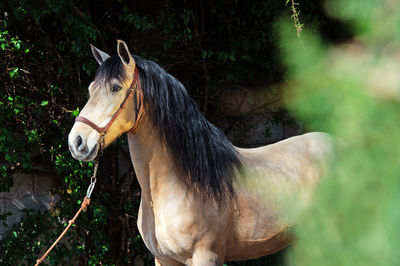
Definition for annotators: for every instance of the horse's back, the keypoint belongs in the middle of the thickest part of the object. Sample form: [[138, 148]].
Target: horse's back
[[298, 158], [313, 142]]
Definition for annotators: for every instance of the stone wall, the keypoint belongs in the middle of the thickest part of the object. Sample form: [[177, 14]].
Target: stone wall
[[255, 117], [30, 191]]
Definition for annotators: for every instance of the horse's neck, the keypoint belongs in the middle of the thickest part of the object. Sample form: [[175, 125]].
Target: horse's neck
[[153, 166]]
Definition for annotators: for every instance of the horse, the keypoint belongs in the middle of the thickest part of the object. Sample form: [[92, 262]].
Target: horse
[[203, 200]]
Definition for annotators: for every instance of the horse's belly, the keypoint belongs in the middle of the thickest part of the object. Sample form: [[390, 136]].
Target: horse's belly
[[245, 249], [257, 230]]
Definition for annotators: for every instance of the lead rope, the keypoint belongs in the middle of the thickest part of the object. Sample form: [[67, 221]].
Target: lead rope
[[85, 203]]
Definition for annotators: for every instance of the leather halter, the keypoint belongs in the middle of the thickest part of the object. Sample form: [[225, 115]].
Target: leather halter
[[135, 91]]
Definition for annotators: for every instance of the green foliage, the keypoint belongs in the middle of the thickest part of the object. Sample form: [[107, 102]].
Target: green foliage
[[41, 84], [15, 245], [352, 91]]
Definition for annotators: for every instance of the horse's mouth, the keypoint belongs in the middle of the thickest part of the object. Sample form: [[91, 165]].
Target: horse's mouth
[[85, 157]]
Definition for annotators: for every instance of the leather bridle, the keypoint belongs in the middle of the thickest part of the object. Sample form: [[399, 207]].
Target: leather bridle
[[134, 91]]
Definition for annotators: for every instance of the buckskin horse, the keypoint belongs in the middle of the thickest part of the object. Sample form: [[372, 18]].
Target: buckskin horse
[[203, 200]]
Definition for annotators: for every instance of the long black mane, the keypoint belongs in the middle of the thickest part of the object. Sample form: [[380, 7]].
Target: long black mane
[[200, 151]]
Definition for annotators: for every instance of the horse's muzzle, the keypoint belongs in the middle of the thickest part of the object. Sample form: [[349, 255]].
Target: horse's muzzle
[[80, 150]]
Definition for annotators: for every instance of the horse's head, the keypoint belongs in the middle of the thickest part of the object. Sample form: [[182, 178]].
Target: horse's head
[[114, 98]]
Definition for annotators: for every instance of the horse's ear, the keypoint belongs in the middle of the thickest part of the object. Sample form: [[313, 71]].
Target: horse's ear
[[99, 55], [124, 54]]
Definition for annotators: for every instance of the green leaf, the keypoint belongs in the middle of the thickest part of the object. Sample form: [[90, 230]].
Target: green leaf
[[75, 113], [13, 72], [44, 103]]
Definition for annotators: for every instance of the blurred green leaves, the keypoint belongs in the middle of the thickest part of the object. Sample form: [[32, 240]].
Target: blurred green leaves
[[352, 91]]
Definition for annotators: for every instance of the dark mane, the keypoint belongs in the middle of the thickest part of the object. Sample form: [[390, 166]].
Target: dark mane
[[199, 150]]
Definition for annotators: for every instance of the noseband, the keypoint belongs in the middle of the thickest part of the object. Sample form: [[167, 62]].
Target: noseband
[[134, 91]]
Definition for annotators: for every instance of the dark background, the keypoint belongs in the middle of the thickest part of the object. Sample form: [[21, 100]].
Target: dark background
[[46, 66]]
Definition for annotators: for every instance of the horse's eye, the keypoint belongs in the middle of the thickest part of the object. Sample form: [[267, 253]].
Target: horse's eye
[[116, 88]]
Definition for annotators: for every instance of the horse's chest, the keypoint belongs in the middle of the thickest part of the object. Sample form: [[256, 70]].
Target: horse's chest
[[166, 235]]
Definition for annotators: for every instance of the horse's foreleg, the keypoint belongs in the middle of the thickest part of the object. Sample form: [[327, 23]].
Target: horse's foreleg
[[206, 258]]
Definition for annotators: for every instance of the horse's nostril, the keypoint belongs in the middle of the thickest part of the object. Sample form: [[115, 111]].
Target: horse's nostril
[[79, 143]]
